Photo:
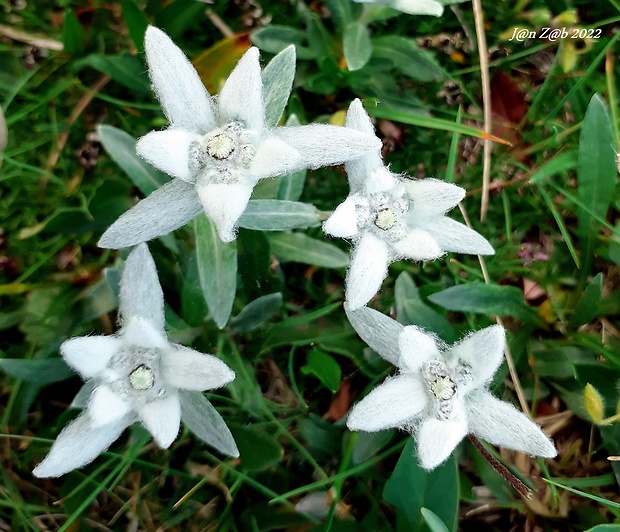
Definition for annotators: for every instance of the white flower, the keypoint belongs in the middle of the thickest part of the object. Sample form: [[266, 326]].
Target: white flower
[[219, 148], [441, 392], [390, 217], [412, 7], [137, 375]]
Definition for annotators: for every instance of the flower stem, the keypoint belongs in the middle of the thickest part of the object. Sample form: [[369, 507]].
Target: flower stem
[[501, 469]]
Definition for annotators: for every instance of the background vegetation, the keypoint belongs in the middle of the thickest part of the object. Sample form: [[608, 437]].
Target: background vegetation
[[67, 68]]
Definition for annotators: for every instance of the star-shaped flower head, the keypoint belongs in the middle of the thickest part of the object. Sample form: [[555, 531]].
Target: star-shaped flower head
[[219, 148], [441, 392], [389, 217], [412, 7], [138, 375]]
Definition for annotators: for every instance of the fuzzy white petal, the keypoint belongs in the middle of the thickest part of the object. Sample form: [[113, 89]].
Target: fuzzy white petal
[[412, 7], [343, 221], [436, 439], [379, 331], [323, 145], [241, 97], [274, 157], [89, 355], [141, 332], [183, 97], [106, 407], [416, 347], [369, 266], [165, 210], [162, 418], [395, 403], [78, 444], [357, 169], [456, 237], [500, 423], [187, 369], [224, 205], [140, 292], [377, 181], [418, 244], [432, 196], [168, 151], [483, 352]]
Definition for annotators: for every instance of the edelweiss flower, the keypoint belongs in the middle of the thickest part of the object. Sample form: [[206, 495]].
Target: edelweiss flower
[[390, 217], [413, 7], [441, 392], [138, 375], [218, 149]]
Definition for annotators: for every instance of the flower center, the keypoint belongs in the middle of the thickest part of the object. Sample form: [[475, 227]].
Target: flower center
[[442, 387], [142, 378], [221, 146], [385, 219]]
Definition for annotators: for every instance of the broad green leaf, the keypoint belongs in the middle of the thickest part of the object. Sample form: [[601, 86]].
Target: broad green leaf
[[588, 307], [278, 215], [324, 368], [341, 13], [201, 418], [101, 297], [259, 450], [217, 270], [357, 45], [411, 488], [278, 78], [178, 16], [322, 46], [72, 34], [48, 316], [368, 444], [254, 258], [412, 310], [121, 147], [596, 174], [407, 57], [297, 247], [123, 68], [488, 299], [136, 22], [291, 186], [256, 313], [43, 371], [604, 528], [433, 521], [274, 38]]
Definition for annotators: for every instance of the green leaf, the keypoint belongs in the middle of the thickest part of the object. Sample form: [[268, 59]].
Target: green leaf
[[297, 247], [217, 270], [123, 68], [556, 165], [341, 14], [488, 299], [411, 309], [411, 488], [72, 34], [291, 186], [588, 307], [257, 313], [178, 16], [259, 450], [604, 528], [274, 38], [596, 174], [121, 147], [203, 420], [278, 215], [322, 46], [433, 521], [407, 57], [278, 78], [136, 22], [368, 444], [42, 371], [324, 368], [357, 45], [48, 315]]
